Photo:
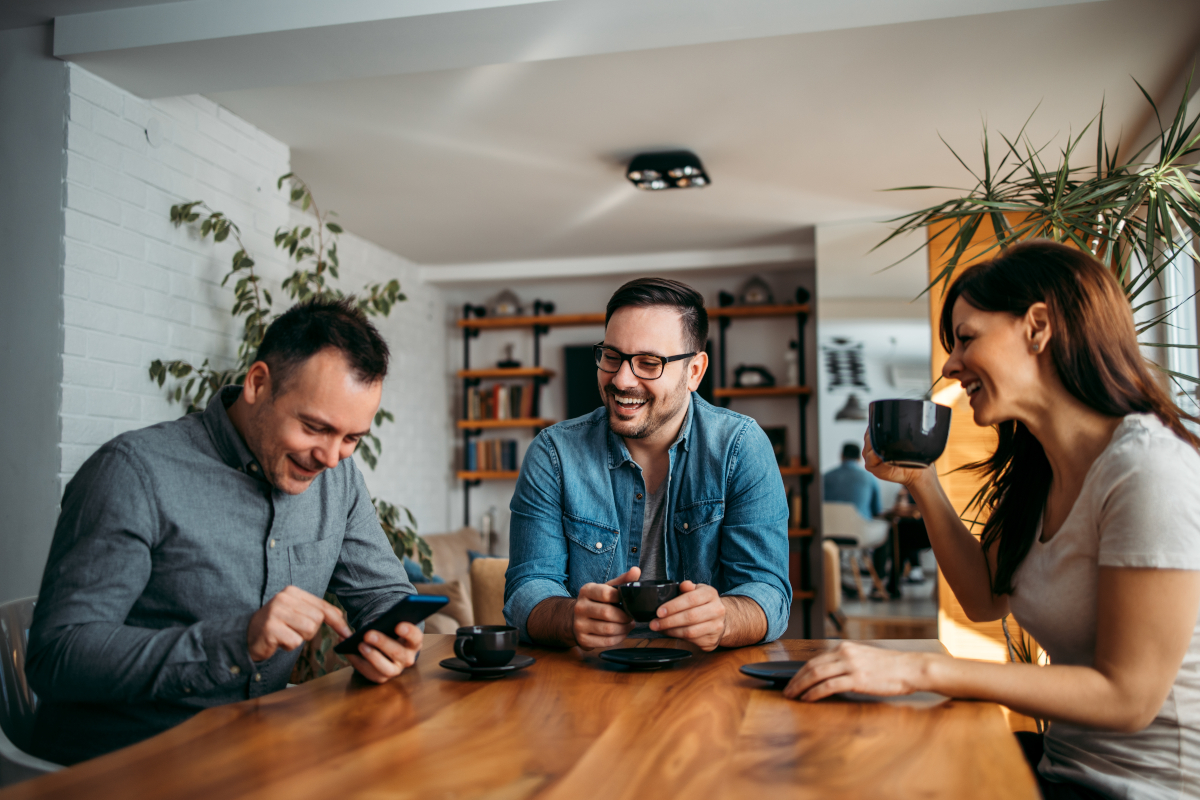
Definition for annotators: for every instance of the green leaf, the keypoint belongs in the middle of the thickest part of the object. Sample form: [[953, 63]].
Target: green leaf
[[333, 226]]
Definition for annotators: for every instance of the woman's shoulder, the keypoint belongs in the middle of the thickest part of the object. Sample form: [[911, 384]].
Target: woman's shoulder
[[1142, 442]]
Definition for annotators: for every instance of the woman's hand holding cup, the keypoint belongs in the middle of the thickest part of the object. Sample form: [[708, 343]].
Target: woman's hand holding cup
[[907, 476]]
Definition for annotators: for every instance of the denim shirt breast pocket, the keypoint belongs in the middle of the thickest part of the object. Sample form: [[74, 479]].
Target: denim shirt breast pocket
[[697, 530], [590, 551], [312, 564]]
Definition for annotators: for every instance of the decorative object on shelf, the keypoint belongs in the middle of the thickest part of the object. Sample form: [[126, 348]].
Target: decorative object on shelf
[[508, 362], [675, 169], [802, 295], [542, 307], [777, 436], [470, 310], [747, 376], [792, 359], [852, 411], [505, 304], [795, 508], [725, 299], [844, 362], [756, 292]]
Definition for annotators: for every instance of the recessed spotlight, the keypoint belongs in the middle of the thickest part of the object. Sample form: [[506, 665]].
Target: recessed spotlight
[[683, 167]]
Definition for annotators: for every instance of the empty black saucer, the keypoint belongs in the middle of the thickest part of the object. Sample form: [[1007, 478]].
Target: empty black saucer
[[458, 665], [777, 673], [645, 657]]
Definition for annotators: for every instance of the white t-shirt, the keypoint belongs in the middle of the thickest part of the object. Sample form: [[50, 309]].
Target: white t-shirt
[[1139, 507]]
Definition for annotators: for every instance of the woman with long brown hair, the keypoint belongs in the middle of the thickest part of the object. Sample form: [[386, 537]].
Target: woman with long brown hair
[[1092, 539]]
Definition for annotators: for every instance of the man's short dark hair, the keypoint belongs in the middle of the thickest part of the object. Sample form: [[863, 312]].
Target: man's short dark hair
[[645, 292], [851, 452], [306, 329]]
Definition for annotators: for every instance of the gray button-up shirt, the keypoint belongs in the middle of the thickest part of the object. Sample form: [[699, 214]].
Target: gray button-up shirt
[[169, 540]]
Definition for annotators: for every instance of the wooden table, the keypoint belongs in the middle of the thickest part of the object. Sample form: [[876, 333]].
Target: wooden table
[[569, 727]]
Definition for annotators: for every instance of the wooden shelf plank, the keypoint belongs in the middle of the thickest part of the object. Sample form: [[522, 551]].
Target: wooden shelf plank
[[549, 320], [763, 391], [507, 372], [776, 310], [799, 533], [489, 424], [795, 470], [505, 475]]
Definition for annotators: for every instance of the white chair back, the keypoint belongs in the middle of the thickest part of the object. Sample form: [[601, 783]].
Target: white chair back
[[842, 521], [18, 703]]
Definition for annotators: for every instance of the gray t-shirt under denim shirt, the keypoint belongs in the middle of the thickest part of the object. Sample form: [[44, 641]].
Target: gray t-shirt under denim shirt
[[169, 540], [653, 560]]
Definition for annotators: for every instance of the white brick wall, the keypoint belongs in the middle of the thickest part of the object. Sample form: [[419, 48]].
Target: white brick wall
[[137, 288]]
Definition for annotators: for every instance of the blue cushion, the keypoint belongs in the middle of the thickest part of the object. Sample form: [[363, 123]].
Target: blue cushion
[[415, 575]]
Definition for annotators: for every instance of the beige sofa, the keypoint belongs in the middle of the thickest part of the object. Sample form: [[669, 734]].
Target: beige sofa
[[476, 591]]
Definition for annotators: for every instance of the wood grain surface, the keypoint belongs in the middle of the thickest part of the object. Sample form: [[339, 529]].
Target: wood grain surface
[[571, 726]]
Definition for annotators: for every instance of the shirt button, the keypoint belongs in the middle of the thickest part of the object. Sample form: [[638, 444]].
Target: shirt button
[[685, 526], [187, 690], [235, 669], [599, 545], [254, 467], [258, 676], [639, 496], [273, 541], [633, 549]]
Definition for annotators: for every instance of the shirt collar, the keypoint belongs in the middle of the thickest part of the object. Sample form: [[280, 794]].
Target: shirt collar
[[618, 453], [225, 437]]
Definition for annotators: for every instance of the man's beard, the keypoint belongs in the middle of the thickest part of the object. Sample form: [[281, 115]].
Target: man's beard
[[654, 417]]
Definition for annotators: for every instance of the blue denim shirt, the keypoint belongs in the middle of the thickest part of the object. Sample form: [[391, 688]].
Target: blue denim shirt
[[578, 513]]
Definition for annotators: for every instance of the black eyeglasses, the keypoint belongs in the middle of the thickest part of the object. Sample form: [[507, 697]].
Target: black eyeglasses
[[644, 365]]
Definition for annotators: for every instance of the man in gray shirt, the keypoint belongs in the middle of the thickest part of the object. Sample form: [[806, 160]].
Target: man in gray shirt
[[190, 558]]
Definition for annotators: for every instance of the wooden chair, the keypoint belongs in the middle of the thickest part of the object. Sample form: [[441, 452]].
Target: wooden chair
[[18, 703]]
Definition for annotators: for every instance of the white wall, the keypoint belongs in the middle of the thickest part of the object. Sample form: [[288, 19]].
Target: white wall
[[135, 288], [749, 341], [33, 90]]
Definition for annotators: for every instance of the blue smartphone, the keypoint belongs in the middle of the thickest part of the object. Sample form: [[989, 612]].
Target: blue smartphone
[[411, 608]]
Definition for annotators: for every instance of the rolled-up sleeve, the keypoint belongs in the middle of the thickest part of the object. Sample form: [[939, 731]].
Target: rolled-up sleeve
[[80, 648], [537, 567], [754, 544]]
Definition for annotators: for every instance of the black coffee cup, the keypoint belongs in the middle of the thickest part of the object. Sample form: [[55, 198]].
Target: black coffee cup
[[641, 599], [909, 433], [486, 645]]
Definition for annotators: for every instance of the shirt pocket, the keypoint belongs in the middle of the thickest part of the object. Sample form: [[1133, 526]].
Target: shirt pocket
[[697, 540], [312, 564], [590, 552]]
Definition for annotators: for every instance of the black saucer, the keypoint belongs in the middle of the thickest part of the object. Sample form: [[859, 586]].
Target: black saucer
[[777, 673], [458, 665], [645, 657]]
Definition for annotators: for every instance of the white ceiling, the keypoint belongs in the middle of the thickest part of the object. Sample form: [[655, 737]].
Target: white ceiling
[[524, 161]]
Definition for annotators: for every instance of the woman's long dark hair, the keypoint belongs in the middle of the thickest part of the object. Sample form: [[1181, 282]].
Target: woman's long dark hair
[[1095, 351]]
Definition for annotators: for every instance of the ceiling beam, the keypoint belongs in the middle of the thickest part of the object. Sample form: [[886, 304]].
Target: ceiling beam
[[640, 263], [200, 46]]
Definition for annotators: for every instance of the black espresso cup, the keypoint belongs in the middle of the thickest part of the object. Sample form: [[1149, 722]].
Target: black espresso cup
[[909, 433], [641, 599], [486, 645]]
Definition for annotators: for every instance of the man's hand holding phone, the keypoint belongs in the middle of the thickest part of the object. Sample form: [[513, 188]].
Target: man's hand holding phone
[[294, 617]]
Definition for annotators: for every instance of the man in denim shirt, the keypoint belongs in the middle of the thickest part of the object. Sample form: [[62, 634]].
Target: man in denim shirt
[[190, 559], [659, 484]]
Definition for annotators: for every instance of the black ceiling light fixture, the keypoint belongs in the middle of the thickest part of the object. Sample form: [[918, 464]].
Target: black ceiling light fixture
[[675, 169]]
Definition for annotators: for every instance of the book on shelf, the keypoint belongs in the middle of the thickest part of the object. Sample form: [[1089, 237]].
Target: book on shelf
[[500, 402], [491, 455]]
